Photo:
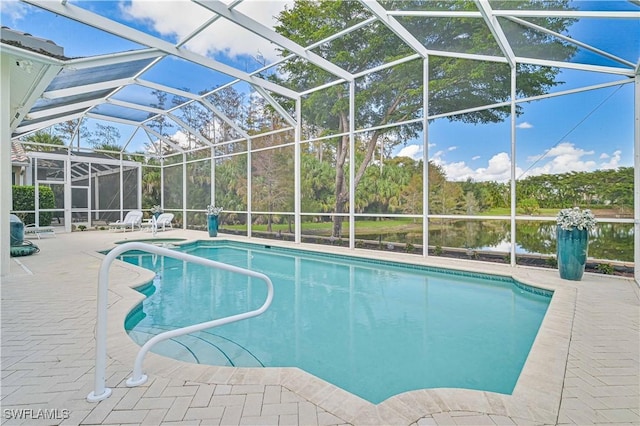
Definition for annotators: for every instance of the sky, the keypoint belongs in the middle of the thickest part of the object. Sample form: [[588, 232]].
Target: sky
[[580, 132]]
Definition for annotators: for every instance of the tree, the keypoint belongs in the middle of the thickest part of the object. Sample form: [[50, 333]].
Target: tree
[[68, 130], [160, 123], [106, 138], [48, 141], [395, 94]]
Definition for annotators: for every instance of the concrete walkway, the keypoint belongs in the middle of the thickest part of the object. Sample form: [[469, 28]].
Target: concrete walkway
[[583, 368]]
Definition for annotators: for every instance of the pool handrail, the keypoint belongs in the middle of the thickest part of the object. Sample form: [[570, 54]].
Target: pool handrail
[[100, 391]]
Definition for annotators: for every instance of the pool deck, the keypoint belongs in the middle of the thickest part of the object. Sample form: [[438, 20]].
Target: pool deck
[[584, 367]]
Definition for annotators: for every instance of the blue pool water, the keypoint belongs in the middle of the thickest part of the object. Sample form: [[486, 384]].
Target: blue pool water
[[373, 328]]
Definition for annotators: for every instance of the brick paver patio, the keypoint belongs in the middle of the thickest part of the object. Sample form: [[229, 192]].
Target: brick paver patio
[[583, 369]]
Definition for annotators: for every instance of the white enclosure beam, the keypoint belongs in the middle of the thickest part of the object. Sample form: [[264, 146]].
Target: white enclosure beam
[[190, 129], [259, 29], [63, 110], [5, 162], [198, 98], [283, 112], [46, 123], [113, 58], [221, 115], [163, 139], [496, 30], [87, 88], [79, 14], [513, 119], [425, 157], [393, 24], [636, 180], [352, 164], [572, 41], [547, 13], [576, 66], [46, 74], [297, 179]]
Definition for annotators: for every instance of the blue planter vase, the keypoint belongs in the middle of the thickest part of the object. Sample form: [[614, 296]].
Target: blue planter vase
[[572, 252], [212, 224], [156, 215]]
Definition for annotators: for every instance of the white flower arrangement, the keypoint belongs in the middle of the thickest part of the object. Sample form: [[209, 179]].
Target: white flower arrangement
[[576, 218], [213, 211], [156, 209]]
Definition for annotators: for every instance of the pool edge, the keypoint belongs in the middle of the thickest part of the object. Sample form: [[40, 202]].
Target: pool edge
[[536, 395]]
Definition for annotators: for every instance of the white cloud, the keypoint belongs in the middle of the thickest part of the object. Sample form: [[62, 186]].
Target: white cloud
[[614, 160], [411, 151], [452, 148], [436, 157], [525, 125], [498, 169], [221, 37], [14, 9], [563, 158]]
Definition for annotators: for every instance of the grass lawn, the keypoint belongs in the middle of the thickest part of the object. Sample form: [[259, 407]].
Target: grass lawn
[[384, 226]]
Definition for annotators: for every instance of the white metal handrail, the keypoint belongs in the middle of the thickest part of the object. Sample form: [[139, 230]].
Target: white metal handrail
[[100, 391]]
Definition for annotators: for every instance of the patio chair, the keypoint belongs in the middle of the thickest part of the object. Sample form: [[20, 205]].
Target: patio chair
[[33, 229], [132, 220], [163, 222]]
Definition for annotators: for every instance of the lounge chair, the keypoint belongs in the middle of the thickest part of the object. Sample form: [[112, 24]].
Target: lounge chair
[[132, 220], [33, 229], [163, 222]]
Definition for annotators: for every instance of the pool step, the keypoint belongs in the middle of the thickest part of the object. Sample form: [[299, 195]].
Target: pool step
[[202, 347]]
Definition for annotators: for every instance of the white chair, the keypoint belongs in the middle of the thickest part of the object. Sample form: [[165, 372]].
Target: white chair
[[32, 229], [132, 220], [163, 222]]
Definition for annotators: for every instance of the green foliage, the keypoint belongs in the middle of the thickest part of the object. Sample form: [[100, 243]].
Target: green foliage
[[82, 227], [552, 262], [409, 248], [610, 187], [395, 94], [24, 199], [437, 250], [529, 206], [605, 268], [49, 142]]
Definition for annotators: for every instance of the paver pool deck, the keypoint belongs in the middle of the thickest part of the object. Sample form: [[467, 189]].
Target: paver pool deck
[[584, 367]]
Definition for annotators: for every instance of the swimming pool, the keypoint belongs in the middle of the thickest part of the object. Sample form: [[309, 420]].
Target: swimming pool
[[371, 327]]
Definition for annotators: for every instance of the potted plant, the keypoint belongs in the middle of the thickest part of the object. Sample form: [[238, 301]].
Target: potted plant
[[156, 211], [212, 219], [573, 241]]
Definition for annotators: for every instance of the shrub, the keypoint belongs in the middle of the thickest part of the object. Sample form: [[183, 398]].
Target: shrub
[[605, 268], [437, 250], [82, 227], [529, 206], [409, 248], [24, 198]]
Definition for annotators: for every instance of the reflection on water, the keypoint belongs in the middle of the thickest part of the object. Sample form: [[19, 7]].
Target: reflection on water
[[610, 241]]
